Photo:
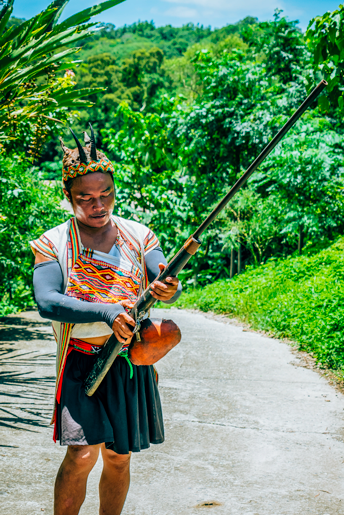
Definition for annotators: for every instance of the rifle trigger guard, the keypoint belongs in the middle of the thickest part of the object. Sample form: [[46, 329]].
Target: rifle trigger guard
[[137, 327], [138, 319], [136, 330]]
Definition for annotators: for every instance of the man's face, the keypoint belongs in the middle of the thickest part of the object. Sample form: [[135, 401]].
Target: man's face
[[93, 198]]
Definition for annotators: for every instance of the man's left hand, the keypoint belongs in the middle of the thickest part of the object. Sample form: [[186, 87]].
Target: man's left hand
[[164, 291]]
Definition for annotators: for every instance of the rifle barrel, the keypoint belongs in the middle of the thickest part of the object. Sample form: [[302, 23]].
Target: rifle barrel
[[241, 181], [112, 347]]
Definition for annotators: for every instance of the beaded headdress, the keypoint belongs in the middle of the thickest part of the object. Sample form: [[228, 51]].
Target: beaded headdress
[[82, 160]]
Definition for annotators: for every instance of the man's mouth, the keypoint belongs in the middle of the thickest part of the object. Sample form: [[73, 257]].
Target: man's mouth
[[98, 216]]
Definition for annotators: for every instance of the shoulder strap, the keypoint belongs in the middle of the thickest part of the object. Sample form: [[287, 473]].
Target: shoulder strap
[[137, 241], [68, 254], [75, 244]]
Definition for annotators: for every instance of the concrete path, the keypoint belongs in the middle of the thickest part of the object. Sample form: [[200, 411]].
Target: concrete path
[[247, 431]]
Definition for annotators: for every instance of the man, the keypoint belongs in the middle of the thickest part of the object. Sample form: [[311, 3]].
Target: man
[[88, 271]]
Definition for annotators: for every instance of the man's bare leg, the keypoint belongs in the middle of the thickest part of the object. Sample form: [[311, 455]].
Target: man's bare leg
[[71, 479], [114, 482]]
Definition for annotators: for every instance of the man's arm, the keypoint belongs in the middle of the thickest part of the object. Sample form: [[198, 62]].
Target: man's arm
[[167, 293], [53, 304]]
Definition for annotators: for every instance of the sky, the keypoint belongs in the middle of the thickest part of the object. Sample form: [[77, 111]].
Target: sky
[[216, 13]]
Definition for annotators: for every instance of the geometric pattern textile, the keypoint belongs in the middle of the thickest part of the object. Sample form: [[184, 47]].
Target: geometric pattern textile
[[104, 165], [92, 280], [45, 247]]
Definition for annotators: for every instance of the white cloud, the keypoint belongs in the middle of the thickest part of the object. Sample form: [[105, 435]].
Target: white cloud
[[253, 6], [181, 12]]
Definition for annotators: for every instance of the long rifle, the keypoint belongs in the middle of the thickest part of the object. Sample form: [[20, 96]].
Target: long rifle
[[111, 349]]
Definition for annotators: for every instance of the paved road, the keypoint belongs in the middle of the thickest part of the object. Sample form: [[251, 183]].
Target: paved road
[[246, 429]]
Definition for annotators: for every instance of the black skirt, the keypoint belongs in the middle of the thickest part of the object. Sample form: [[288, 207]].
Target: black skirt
[[124, 413]]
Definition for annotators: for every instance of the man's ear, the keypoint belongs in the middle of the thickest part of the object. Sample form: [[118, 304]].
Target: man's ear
[[67, 195]]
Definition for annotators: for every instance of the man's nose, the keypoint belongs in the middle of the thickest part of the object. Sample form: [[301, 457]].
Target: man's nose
[[97, 203]]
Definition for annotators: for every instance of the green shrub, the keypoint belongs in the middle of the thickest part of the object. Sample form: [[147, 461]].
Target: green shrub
[[28, 207]]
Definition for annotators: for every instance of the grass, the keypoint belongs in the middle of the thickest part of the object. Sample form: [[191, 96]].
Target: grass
[[300, 298]]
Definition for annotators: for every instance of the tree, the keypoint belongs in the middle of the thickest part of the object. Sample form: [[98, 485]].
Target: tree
[[304, 178], [181, 158], [325, 37], [138, 80], [183, 74], [282, 45], [142, 75], [148, 185]]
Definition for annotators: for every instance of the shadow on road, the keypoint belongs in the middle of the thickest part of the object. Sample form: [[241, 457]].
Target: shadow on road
[[18, 328], [26, 376]]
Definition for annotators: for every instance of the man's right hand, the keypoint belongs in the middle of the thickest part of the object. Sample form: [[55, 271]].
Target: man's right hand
[[121, 327]]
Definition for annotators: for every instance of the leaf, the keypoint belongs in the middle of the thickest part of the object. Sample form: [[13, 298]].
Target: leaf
[[29, 55], [59, 5], [77, 93], [27, 73], [46, 47], [86, 14], [5, 14], [15, 34], [324, 103]]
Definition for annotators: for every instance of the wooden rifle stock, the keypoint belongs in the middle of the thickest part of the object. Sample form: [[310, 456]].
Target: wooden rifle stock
[[112, 347]]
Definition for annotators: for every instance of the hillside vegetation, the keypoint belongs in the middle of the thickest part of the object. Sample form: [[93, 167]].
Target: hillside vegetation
[[173, 41]]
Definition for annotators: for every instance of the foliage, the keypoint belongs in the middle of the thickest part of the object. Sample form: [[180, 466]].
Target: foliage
[[182, 71], [301, 298], [140, 63], [298, 188], [173, 41], [325, 38], [304, 179], [31, 53], [29, 207], [137, 80], [32, 97], [185, 111], [141, 74], [250, 222], [180, 159], [282, 45], [146, 182]]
